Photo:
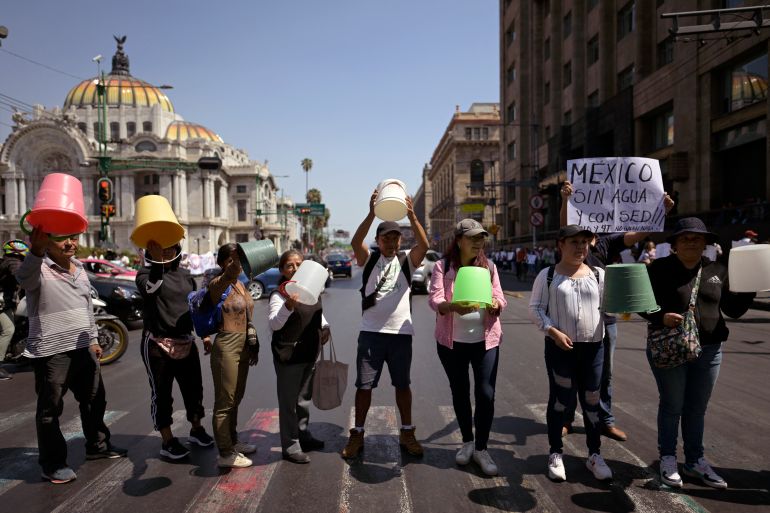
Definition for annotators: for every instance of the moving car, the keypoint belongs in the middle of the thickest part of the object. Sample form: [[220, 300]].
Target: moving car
[[421, 276], [122, 297], [340, 264], [107, 269]]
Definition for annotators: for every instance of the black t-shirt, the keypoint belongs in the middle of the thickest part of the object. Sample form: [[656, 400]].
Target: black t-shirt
[[165, 291]]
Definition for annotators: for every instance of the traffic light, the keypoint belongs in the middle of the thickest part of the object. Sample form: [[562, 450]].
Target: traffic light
[[304, 211], [108, 210], [104, 189]]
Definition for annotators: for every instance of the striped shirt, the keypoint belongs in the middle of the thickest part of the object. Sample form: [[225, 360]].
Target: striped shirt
[[59, 307], [573, 305]]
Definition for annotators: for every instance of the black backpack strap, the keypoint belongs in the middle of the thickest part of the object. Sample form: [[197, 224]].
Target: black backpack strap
[[403, 261], [549, 279], [374, 256]]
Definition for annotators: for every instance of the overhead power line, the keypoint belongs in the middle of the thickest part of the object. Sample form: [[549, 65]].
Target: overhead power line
[[42, 65]]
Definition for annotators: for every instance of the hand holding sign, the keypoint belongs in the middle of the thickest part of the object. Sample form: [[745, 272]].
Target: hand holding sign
[[615, 194]]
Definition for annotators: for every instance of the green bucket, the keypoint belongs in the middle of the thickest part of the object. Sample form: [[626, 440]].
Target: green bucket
[[473, 286], [257, 256], [627, 289]]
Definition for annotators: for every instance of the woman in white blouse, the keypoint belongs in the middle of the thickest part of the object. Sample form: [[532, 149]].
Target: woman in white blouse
[[565, 305], [297, 332]]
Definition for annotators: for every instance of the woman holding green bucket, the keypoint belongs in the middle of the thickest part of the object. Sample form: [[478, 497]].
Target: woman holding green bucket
[[565, 305], [469, 333]]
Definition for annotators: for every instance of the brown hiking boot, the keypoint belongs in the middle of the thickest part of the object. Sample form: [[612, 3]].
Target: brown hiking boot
[[355, 444], [407, 440]]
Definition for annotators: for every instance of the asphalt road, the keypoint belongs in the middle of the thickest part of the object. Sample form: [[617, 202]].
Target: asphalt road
[[385, 479]]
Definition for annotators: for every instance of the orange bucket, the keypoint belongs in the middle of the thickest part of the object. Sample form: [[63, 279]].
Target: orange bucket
[[58, 206]]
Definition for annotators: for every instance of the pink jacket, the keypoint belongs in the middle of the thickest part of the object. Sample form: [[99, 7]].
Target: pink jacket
[[441, 289]]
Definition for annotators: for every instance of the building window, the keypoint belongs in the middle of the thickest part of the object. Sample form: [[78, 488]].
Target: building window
[[241, 210], [567, 25], [155, 179], [568, 74], [240, 189], [147, 126], [130, 129], [591, 4], [512, 150], [241, 237], [547, 49], [82, 127], [484, 133], [547, 93], [665, 52], [477, 178], [593, 99], [114, 131], [97, 135], [592, 50], [468, 133], [510, 34], [626, 78], [510, 75], [626, 20], [663, 130], [568, 118], [511, 114], [747, 83], [476, 133]]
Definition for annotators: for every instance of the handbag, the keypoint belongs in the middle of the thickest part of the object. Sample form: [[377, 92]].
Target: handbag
[[206, 316], [330, 380], [176, 348], [671, 347]]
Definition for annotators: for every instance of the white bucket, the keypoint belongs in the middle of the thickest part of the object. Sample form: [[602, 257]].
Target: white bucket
[[390, 204], [749, 268], [308, 282]]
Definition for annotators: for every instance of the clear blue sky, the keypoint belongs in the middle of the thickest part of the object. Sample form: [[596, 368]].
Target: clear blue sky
[[364, 88]]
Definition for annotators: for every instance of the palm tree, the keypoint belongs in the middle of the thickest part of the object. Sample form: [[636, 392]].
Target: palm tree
[[307, 165]]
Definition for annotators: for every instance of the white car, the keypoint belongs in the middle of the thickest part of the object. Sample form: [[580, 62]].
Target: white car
[[421, 276]]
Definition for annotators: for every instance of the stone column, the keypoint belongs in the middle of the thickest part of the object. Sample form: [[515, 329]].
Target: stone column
[[11, 197], [165, 187], [206, 197], [183, 209], [177, 194], [22, 183], [126, 198], [223, 204]]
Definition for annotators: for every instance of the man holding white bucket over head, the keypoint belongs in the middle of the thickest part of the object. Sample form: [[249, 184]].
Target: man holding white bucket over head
[[386, 325]]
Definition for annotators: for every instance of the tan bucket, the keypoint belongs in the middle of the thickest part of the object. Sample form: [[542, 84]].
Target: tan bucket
[[155, 220]]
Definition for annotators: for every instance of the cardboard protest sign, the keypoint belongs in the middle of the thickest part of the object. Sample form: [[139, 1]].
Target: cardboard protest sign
[[616, 194]]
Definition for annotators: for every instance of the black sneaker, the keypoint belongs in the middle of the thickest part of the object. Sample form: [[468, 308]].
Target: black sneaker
[[109, 451], [173, 450], [5, 375], [200, 437]]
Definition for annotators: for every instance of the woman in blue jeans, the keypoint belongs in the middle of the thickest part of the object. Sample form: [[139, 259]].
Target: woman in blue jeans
[[685, 390]]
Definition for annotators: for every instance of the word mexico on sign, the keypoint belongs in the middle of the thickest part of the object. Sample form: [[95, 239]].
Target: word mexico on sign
[[616, 194]]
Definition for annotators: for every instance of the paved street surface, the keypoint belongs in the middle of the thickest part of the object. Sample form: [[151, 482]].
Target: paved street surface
[[385, 479]]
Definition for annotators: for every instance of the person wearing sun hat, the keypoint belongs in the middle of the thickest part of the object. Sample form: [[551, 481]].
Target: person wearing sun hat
[[684, 391]]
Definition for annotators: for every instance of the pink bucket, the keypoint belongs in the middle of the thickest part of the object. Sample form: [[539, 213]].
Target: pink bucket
[[58, 206]]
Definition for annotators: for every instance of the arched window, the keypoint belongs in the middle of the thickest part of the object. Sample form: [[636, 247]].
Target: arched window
[[146, 146], [477, 178]]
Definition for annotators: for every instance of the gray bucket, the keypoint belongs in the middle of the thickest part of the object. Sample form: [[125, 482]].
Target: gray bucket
[[257, 256]]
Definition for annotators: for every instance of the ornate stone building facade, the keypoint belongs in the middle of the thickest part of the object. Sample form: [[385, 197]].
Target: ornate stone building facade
[[141, 128]]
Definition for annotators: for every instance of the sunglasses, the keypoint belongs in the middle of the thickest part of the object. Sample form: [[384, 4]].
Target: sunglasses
[[60, 238]]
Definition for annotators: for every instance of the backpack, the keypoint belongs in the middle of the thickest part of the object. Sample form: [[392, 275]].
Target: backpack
[[206, 316]]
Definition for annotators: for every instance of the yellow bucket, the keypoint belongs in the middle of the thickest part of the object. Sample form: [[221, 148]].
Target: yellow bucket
[[155, 220]]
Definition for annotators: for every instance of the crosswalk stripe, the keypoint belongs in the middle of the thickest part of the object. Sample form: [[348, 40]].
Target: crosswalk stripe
[[24, 461], [242, 489], [386, 453], [642, 503], [97, 495], [545, 504], [15, 420]]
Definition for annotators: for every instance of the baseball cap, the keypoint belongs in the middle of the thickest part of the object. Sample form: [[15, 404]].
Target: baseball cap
[[572, 229], [386, 227], [470, 227]]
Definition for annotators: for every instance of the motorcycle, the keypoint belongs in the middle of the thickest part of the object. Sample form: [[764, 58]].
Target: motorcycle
[[112, 333]]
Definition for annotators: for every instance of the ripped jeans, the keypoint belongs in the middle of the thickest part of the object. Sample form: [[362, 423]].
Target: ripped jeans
[[578, 371]]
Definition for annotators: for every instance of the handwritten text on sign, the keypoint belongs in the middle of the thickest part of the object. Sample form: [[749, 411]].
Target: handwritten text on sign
[[616, 194]]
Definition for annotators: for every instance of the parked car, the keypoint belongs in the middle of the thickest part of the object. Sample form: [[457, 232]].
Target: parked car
[[340, 264], [107, 269], [315, 258], [421, 276], [263, 284], [122, 297]]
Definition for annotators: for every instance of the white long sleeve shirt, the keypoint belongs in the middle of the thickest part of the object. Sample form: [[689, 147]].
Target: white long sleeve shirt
[[278, 314], [572, 305]]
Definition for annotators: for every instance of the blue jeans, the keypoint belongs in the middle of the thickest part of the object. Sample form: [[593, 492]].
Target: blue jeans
[[684, 394], [484, 365], [574, 372]]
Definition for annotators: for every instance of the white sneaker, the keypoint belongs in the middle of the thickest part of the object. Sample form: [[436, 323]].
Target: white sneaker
[[484, 460], [245, 448], [556, 467], [599, 469], [465, 453], [669, 472], [234, 460], [703, 471]]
